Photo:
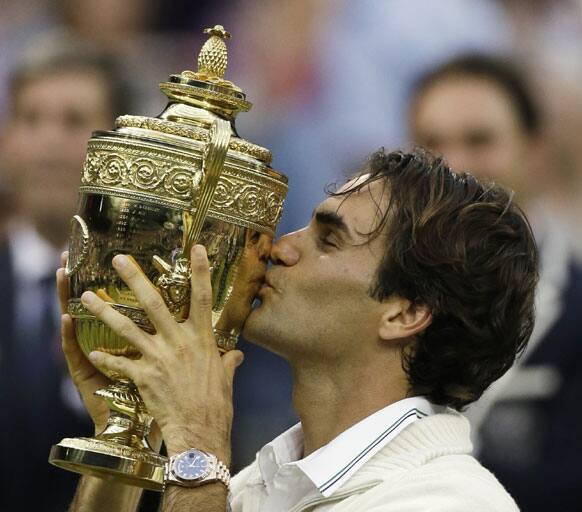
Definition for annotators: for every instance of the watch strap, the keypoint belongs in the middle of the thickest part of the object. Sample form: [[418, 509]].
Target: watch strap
[[219, 472], [222, 472]]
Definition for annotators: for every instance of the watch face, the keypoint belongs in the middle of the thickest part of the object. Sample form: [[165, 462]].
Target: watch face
[[191, 465]]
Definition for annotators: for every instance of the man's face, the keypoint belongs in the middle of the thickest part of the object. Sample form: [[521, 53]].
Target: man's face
[[472, 123], [46, 138], [316, 298]]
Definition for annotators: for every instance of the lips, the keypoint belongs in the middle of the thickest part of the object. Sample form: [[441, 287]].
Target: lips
[[267, 285], [269, 281]]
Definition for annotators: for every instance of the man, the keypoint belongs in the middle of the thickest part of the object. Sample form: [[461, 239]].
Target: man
[[410, 290], [477, 111], [59, 94]]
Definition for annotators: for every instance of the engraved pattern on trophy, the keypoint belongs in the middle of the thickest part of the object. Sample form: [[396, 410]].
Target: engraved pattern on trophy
[[174, 281], [79, 246], [247, 200], [133, 167], [121, 167], [150, 189], [191, 132], [180, 91]]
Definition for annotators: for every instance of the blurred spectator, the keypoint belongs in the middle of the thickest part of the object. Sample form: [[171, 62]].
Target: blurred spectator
[[59, 94], [335, 90], [126, 29], [153, 38], [109, 24], [478, 112], [548, 35], [21, 20]]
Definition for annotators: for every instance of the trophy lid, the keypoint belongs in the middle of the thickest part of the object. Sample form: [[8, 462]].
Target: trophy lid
[[207, 88], [196, 99]]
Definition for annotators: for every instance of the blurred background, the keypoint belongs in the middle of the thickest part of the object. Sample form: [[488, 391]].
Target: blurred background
[[491, 84]]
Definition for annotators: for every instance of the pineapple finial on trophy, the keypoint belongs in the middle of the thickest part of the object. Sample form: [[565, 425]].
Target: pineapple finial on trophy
[[207, 88], [213, 57]]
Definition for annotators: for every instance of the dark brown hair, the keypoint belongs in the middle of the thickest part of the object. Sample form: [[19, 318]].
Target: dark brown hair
[[465, 250]]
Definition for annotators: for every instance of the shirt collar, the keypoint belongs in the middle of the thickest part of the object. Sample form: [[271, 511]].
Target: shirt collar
[[333, 464], [284, 449]]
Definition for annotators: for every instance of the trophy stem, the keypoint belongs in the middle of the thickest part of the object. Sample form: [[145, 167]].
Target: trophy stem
[[122, 449], [129, 422]]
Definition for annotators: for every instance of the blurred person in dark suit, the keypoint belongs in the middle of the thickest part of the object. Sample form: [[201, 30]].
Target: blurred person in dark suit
[[479, 113], [60, 93]]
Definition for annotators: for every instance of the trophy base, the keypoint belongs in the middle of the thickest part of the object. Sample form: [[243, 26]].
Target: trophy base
[[105, 459]]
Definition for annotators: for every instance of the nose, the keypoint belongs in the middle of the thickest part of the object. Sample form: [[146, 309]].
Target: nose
[[285, 250]]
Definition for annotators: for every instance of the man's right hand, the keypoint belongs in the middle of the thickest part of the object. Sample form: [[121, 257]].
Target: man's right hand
[[85, 376]]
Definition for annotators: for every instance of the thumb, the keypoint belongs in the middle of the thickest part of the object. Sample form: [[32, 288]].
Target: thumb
[[231, 361]]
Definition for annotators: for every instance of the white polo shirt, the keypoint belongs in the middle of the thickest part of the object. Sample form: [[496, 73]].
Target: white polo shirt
[[288, 478]]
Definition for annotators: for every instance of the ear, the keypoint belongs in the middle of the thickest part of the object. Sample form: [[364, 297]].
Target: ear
[[403, 319]]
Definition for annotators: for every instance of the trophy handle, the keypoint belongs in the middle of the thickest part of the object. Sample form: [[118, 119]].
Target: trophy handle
[[174, 281], [212, 163]]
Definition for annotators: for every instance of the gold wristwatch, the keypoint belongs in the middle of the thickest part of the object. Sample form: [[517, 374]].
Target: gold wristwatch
[[195, 467]]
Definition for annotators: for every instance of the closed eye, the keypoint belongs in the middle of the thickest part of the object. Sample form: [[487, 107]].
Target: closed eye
[[330, 229], [326, 241]]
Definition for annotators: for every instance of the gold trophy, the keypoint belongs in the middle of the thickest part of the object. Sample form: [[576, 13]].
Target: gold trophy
[[152, 188]]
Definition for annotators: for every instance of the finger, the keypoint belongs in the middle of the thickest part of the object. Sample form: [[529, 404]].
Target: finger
[[80, 368], [71, 349], [64, 258], [118, 323], [231, 361], [63, 290], [85, 376], [201, 299], [147, 295], [117, 364]]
